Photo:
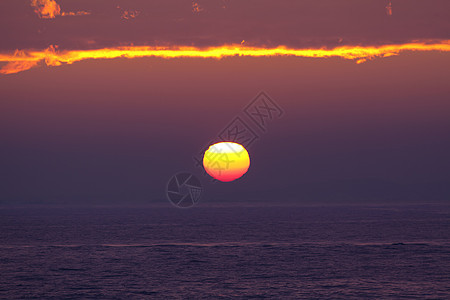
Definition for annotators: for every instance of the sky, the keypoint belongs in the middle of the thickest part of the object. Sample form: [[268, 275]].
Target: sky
[[103, 101]]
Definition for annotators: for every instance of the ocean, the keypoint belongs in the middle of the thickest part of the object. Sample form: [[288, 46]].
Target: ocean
[[223, 252]]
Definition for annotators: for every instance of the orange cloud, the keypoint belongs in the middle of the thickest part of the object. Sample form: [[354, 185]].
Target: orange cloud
[[130, 14], [49, 9], [196, 8], [46, 9], [76, 13], [24, 60], [17, 66], [389, 9]]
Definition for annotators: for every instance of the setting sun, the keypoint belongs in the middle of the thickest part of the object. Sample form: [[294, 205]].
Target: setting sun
[[226, 161]]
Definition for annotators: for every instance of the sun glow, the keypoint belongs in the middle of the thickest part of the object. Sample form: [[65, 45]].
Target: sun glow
[[22, 60]]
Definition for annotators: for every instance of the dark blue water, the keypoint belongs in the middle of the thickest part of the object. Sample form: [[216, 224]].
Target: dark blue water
[[225, 252]]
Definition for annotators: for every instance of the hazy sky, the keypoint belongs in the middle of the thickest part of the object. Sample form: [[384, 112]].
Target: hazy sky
[[115, 130], [297, 23]]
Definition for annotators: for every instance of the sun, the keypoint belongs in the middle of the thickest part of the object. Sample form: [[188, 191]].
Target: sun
[[226, 161]]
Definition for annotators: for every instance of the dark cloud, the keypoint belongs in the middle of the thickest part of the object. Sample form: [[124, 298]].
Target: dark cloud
[[270, 23]]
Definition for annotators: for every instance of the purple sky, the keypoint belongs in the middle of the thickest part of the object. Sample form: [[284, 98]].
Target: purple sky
[[114, 131], [311, 23]]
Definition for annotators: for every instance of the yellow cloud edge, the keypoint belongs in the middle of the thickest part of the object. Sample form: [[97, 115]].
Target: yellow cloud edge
[[22, 60]]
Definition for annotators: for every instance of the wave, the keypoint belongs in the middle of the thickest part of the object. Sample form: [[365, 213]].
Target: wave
[[238, 244]]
